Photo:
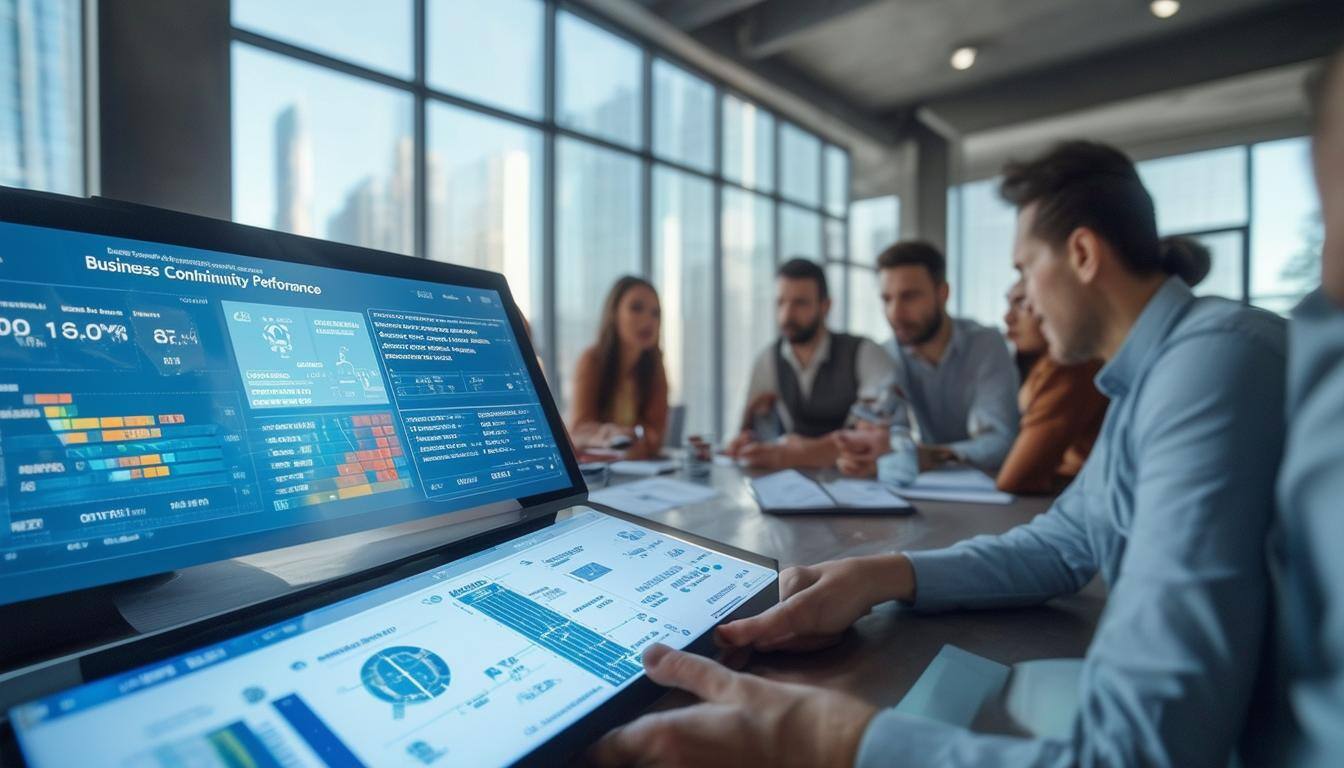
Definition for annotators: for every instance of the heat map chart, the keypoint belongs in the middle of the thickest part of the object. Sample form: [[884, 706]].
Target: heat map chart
[[317, 459]]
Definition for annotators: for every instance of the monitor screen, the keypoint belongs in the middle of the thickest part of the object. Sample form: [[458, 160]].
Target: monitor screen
[[478, 662], [163, 406]]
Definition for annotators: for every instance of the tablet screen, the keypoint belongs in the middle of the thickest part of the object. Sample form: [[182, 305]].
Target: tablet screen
[[478, 662]]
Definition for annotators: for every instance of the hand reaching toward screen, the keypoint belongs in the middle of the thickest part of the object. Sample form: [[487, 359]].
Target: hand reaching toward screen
[[744, 720], [819, 602]]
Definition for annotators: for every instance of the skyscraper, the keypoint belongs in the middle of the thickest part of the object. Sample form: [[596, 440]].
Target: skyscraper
[[40, 95], [293, 173]]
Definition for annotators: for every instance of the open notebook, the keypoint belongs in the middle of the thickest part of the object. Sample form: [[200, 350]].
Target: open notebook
[[792, 493]]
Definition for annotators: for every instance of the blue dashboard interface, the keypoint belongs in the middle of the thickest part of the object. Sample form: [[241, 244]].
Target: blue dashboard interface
[[156, 400], [477, 662]]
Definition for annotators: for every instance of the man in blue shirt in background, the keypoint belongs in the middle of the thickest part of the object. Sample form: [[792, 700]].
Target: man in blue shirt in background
[[1172, 509]]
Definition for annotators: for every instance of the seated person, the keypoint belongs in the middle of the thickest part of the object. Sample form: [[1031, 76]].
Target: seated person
[[1171, 509], [1299, 722], [619, 399], [1061, 409], [956, 374], [808, 379]]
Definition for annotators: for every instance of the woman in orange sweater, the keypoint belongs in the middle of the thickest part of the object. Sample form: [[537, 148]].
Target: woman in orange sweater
[[620, 386], [1061, 410]]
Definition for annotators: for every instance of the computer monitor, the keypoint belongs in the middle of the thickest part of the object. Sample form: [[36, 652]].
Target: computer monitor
[[176, 390]]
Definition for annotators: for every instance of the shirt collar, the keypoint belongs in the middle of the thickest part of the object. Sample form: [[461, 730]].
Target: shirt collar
[[953, 345], [1136, 353], [822, 354]]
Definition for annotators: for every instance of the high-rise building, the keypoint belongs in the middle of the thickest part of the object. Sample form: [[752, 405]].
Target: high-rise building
[[41, 137], [293, 173]]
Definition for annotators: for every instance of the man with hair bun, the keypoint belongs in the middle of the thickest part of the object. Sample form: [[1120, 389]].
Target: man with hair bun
[[1171, 509]]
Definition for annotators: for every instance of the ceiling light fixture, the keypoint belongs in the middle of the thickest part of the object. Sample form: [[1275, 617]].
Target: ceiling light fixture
[[963, 58], [1164, 9]]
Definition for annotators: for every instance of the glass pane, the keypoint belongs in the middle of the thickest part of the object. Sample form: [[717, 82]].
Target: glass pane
[[874, 224], [597, 218], [834, 250], [986, 258], [683, 116], [488, 51], [320, 153], [1203, 190], [835, 283], [1286, 233], [1224, 279], [41, 114], [374, 35], [800, 165], [599, 81], [683, 271], [837, 180], [748, 144], [748, 293], [484, 199], [799, 233], [865, 305]]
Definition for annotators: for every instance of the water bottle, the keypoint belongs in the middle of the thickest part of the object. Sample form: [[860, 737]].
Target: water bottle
[[900, 466]]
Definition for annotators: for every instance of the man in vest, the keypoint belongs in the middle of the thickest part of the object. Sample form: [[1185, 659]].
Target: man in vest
[[957, 375], [804, 384]]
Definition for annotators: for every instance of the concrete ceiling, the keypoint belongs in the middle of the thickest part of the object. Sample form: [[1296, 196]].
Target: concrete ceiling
[[886, 61], [890, 54]]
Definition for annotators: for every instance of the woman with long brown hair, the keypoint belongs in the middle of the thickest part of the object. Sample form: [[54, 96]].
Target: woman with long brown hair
[[620, 386]]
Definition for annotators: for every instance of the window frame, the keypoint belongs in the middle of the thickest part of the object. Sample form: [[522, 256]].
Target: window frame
[[424, 94]]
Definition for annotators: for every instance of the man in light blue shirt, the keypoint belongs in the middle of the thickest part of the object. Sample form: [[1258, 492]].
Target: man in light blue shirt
[[1303, 724], [957, 375], [1171, 509]]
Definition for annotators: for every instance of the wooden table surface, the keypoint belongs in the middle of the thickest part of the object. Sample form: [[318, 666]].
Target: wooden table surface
[[879, 661], [889, 649]]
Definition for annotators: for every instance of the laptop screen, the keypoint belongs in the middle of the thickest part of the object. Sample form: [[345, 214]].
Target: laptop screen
[[163, 406], [477, 662]]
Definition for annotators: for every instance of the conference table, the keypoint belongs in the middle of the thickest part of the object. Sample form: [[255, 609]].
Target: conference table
[[888, 650], [878, 661]]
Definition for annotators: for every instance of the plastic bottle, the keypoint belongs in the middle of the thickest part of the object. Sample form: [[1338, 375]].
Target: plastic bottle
[[900, 466]]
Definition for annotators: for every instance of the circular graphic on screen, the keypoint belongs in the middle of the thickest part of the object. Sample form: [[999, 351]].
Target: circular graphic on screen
[[404, 674]]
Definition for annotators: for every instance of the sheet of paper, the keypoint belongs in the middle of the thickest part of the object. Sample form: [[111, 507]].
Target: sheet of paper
[[960, 484], [863, 494], [954, 687], [644, 468], [656, 494], [1042, 696], [790, 489]]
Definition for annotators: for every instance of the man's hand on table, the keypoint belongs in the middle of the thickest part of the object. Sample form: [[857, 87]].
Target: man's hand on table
[[743, 720], [819, 602], [859, 449], [790, 452]]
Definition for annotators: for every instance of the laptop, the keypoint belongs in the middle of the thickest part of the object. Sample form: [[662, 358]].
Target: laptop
[[176, 390]]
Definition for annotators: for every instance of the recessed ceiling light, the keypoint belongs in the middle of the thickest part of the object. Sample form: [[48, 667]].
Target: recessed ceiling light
[[964, 57], [1164, 9]]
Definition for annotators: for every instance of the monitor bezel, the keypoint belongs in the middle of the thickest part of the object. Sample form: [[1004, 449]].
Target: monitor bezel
[[112, 218], [561, 748]]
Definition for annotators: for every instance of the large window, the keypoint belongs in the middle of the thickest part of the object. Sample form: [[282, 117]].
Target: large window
[[874, 224], [1253, 206], [540, 142], [683, 272], [41, 95]]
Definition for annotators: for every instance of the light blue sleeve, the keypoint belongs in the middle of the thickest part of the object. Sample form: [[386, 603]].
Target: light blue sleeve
[[1311, 529], [1048, 557], [992, 421], [1169, 673]]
